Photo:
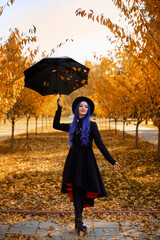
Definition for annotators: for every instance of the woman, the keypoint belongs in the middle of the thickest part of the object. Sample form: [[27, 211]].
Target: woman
[[81, 176]]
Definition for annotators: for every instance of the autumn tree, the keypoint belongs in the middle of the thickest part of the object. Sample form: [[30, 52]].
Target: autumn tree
[[6, 4], [105, 91], [13, 115], [26, 104], [96, 86], [49, 107], [143, 18], [15, 58], [131, 85]]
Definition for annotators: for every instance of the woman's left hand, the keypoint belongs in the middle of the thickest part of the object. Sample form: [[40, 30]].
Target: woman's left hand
[[117, 166], [59, 102]]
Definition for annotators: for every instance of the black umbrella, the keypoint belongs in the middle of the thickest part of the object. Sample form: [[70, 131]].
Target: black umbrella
[[60, 75]]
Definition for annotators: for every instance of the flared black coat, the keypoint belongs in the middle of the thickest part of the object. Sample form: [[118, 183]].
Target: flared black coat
[[81, 167]]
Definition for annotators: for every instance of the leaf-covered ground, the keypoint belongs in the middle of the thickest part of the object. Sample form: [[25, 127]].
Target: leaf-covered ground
[[31, 173]]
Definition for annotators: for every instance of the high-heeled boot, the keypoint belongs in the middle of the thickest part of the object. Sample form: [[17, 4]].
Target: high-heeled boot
[[84, 226], [82, 229]]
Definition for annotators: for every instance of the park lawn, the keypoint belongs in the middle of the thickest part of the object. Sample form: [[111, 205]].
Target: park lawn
[[31, 173]]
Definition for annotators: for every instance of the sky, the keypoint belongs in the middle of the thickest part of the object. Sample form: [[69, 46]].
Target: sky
[[56, 21]]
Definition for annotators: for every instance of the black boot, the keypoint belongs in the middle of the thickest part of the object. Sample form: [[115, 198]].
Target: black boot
[[82, 229], [84, 226]]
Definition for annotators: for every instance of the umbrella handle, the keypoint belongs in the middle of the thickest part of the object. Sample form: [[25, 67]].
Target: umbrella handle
[[58, 100], [59, 96]]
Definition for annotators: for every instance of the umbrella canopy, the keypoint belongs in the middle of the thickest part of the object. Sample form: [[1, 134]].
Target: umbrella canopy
[[60, 75]]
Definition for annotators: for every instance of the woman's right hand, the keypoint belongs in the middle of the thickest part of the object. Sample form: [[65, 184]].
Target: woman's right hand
[[59, 102], [117, 166]]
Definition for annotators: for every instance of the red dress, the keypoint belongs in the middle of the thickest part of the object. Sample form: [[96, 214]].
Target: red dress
[[81, 167]]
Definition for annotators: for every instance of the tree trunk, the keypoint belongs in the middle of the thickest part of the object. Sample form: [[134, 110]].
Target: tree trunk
[[124, 122], [146, 121], [36, 125], [27, 127], [5, 120], [137, 125], [49, 122], [105, 123], [109, 123], [46, 122], [115, 126], [12, 138], [42, 123], [159, 142]]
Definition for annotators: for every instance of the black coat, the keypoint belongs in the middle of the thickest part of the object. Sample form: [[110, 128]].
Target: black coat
[[81, 167]]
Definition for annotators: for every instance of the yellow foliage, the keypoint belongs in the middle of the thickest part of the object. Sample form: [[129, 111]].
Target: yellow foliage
[[137, 54], [8, 3], [12, 65]]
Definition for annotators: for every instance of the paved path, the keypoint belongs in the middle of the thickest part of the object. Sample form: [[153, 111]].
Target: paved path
[[146, 132], [97, 230]]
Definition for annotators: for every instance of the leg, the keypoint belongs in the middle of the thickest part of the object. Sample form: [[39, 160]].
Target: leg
[[79, 198], [82, 206], [83, 201]]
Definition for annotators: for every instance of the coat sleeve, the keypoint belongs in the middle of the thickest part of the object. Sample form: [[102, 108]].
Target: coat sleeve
[[100, 144], [56, 122]]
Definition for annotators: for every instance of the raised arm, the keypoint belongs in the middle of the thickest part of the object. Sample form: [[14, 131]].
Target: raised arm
[[100, 144], [56, 122]]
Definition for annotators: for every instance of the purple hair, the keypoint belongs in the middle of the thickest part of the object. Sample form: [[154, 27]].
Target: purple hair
[[85, 126]]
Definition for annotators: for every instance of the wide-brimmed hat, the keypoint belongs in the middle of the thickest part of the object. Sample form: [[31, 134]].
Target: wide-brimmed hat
[[80, 99]]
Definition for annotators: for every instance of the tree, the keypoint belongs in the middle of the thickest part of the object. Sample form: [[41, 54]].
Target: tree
[[15, 58], [131, 85], [26, 101], [143, 45], [49, 107], [13, 115], [7, 4]]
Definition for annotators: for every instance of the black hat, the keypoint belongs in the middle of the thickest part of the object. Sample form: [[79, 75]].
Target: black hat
[[80, 99]]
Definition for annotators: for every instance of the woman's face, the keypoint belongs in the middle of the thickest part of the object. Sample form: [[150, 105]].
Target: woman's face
[[83, 109]]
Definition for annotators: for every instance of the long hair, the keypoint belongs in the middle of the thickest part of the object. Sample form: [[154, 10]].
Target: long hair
[[85, 126]]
